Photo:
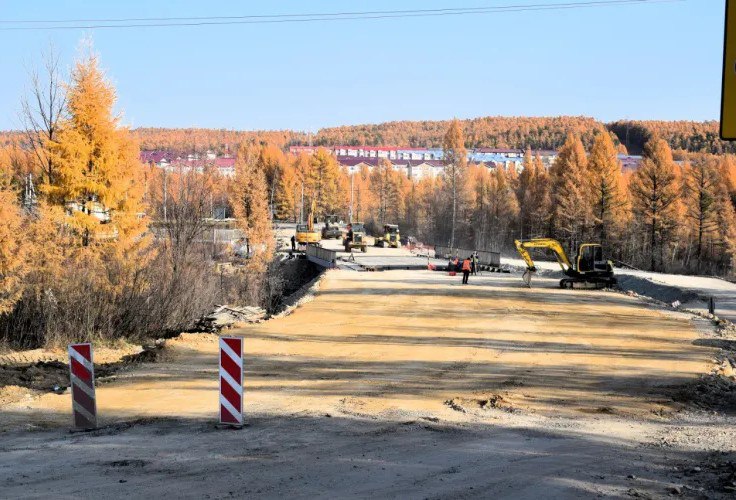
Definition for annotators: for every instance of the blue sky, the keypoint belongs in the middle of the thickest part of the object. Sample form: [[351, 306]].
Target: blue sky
[[653, 61]]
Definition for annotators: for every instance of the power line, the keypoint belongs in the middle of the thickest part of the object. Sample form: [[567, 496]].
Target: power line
[[321, 14], [318, 17]]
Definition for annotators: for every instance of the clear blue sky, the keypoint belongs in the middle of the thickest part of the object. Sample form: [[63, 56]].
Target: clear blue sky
[[654, 61]]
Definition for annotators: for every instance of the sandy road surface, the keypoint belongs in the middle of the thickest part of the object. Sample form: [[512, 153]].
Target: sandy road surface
[[402, 384]]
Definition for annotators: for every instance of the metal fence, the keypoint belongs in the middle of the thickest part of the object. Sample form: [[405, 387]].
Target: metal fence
[[212, 235], [485, 258], [322, 256]]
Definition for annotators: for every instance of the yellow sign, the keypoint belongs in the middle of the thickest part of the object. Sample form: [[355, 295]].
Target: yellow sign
[[728, 93]]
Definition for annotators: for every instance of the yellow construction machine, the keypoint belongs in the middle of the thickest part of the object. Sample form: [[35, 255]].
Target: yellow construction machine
[[355, 238], [306, 233], [590, 269], [389, 238]]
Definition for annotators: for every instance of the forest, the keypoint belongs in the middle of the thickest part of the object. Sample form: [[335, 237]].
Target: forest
[[488, 132]]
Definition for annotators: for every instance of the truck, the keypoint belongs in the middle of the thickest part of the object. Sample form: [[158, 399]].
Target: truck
[[331, 229]]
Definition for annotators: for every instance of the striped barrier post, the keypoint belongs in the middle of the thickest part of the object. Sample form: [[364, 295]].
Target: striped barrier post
[[231, 381], [82, 373]]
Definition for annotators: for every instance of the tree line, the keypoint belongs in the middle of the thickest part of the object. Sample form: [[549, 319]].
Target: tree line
[[491, 132]]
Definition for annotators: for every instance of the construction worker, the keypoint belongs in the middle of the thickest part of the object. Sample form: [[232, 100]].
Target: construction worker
[[349, 238], [293, 242], [466, 270], [456, 264], [474, 263]]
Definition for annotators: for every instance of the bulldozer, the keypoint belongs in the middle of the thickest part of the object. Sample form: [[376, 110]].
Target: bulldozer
[[389, 238], [589, 270], [306, 233], [355, 237]]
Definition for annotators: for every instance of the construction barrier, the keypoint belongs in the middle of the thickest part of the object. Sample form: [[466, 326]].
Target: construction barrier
[[82, 375], [490, 259], [231, 380], [485, 258]]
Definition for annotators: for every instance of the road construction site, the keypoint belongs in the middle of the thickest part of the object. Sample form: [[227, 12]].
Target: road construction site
[[405, 384]]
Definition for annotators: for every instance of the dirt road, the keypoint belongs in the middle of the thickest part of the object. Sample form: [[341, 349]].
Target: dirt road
[[403, 384]]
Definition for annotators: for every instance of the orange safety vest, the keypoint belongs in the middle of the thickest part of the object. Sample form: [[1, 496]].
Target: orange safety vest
[[466, 265]]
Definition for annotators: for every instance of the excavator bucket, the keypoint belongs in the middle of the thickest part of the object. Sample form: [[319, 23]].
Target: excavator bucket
[[527, 277]]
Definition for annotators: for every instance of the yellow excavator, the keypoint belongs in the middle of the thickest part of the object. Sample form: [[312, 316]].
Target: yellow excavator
[[590, 269], [305, 233]]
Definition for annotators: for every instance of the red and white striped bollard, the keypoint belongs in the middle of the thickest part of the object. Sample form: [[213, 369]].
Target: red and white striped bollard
[[231, 381], [82, 375]]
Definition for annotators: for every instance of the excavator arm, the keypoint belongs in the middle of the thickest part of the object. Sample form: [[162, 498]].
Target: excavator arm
[[310, 221], [523, 246]]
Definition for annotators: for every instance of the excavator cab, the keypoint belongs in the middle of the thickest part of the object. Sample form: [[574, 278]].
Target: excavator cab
[[590, 258]]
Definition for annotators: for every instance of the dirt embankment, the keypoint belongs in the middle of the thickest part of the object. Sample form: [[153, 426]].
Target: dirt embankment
[[27, 374]]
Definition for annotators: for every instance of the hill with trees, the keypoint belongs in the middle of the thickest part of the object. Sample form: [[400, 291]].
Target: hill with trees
[[485, 132]]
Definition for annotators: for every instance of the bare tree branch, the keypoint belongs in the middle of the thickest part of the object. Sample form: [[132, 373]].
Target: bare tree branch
[[41, 113]]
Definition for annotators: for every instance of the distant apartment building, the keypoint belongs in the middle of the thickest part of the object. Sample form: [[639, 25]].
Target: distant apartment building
[[412, 169], [414, 163], [172, 162], [420, 163]]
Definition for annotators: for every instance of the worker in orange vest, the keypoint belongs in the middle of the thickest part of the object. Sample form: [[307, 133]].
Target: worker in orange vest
[[466, 270]]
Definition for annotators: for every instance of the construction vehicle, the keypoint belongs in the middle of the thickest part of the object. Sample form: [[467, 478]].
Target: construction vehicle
[[389, 238], [358, 239], [331, 230], [590, 269], [306, 233]]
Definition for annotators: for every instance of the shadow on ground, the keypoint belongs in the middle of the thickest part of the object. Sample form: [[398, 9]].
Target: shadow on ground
[[317, 456]]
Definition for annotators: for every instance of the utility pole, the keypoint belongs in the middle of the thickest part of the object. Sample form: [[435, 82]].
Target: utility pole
[[165, 195], [301, 210], [350, 215], [273, 188]]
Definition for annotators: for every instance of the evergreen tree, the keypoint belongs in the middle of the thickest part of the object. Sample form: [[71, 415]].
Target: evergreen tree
[[726, 227], [97, 169], [503, 207], [287, 198], [362, 196], [284, 200], [272, 162], [250, 201], [608, 201], [728, 174], [527, 178], [386, 186], [699, 195], [323, 184], [654, 195], [538, 201], [571, 192], [479, 187], [12, 249], [455, 160]]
